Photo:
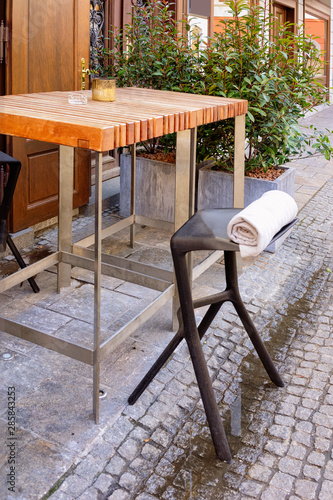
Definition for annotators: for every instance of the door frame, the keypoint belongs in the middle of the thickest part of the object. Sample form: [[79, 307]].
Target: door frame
[[290, 7]]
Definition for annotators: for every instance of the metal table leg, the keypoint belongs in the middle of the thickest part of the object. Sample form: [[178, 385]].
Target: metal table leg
[[185, 191], [97, 284], [185, 175], [66, 180], [239, 160], [133, 192]]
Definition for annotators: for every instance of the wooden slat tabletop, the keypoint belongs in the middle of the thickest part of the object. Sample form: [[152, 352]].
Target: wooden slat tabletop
[[136, 115]]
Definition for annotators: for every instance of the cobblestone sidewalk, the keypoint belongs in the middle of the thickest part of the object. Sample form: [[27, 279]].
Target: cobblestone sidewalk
[[281, 439]]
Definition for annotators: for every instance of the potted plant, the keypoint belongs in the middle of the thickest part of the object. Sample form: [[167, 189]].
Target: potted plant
[[157, 55], [276, 74]]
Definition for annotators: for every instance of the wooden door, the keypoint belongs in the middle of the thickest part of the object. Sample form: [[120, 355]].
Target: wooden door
[[47, 41]]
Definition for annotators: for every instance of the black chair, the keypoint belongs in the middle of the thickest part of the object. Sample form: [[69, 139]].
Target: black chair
[[9, 172], [207, 230]]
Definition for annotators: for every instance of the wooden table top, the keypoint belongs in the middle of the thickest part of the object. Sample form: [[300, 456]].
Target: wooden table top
[[136, 115]]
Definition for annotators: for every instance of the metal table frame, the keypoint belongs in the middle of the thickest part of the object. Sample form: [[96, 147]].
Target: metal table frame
[[80, 255]]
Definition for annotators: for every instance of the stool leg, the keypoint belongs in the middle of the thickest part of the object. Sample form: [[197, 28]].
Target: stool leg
[[199, 363], [232, 283], [171, 347], [21, 262], [163, 358]]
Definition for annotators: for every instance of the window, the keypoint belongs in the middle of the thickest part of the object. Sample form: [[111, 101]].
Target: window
[[318, 28], [221, 12]]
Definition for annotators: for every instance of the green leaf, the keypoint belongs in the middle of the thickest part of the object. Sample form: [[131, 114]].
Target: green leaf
[[258, 110], [250, 115]]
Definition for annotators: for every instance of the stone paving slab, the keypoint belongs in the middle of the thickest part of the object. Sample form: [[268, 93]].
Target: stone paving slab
[[281, 439]]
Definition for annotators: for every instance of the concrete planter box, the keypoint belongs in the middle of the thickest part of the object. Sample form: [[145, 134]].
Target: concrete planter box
[[215, 189], [155, 188]]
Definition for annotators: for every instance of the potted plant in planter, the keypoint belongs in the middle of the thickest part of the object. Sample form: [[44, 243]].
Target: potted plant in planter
[[155, 181], [157, 55], [275, 74]]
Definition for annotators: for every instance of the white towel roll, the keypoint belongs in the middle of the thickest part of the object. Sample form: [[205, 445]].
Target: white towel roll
[[254, 227]]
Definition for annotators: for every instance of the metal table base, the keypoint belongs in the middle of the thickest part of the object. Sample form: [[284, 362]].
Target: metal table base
[[80, 255]]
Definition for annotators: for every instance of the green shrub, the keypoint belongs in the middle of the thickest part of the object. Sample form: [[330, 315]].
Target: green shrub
[[276, 74], [154, 51]]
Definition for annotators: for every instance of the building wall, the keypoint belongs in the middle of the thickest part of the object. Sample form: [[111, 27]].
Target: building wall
[[320, 11]]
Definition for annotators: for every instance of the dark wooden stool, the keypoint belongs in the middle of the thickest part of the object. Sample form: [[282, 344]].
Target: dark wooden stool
[[9, 172], [207, 230]]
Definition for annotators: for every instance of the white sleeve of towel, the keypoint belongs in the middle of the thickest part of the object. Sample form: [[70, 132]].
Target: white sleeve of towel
[[254, 227]]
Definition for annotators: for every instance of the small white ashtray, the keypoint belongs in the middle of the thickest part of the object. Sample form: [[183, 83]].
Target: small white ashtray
[[77, 99]]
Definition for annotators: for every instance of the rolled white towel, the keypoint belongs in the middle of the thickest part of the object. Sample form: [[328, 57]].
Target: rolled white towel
[[254, 227]]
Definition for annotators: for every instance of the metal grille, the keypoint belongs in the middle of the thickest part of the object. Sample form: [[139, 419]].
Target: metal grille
[[97, 22]]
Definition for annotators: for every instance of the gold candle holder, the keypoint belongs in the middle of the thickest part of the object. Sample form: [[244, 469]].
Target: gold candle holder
[[104, 89]]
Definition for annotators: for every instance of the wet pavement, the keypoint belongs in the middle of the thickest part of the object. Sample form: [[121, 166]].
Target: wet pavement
[[160, 448]]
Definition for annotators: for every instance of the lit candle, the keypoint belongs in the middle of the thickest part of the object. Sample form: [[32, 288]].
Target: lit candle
[[104, 89]]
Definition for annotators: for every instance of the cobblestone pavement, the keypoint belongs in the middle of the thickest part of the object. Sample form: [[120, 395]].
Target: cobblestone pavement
[[281, 439], [160, 448]]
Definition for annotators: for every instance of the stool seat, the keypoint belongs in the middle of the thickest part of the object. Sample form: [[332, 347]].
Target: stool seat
[[207, 230]]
